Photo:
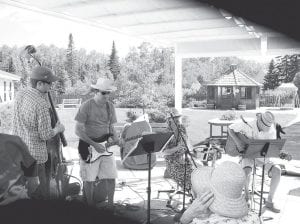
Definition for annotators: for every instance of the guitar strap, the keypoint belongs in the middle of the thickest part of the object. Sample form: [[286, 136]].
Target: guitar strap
[[109, 114]]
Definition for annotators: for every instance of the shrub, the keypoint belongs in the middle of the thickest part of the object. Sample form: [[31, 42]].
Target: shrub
[[156, 115], [131, 116], [229, 115], [6, 116], [277, 97], [197, 103]]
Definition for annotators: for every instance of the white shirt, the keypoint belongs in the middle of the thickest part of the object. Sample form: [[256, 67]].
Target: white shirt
[[251, 130]]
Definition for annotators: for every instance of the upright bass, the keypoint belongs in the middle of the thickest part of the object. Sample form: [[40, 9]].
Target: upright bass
[[55, 168]]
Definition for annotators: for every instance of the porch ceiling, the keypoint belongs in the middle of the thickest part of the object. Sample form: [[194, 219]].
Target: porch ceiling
[[196, 29]]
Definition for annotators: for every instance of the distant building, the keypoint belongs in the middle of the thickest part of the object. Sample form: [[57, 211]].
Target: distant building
[[7, 86], [234, 90]]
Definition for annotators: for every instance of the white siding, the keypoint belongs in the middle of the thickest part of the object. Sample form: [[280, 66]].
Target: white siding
[[6, 90]]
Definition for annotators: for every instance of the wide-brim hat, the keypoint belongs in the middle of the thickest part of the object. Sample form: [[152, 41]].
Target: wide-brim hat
[[44, 74], [226, 182], [266, 119], [105, 85], [174, 112]]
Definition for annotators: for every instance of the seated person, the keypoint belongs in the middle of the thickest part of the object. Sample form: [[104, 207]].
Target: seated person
[[263, 127], [18, 176], [174, 153], [219, 197]]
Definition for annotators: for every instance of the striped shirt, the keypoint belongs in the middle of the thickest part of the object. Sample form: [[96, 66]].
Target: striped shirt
[[32, 122]]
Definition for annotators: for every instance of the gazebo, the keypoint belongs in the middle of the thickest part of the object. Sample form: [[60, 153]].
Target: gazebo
[[233, 90]]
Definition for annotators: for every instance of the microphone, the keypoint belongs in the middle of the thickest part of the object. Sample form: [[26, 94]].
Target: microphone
[[171, 114], [243, 119]]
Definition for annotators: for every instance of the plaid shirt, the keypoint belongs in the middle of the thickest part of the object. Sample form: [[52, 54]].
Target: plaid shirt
[[32, 122]]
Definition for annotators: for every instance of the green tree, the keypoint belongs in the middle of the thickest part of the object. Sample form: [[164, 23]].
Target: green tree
[[113, 63], [59, 70], [296, 82], [287, 67], [271, 79], [11, 66]]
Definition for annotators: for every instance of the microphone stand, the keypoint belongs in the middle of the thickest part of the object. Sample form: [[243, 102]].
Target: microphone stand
[[186, 152]]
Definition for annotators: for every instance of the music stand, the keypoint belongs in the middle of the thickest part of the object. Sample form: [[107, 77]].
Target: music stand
[[151, 143], [262, 148]]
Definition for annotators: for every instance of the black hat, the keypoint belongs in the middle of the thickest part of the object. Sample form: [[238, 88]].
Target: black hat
[[43, 74]]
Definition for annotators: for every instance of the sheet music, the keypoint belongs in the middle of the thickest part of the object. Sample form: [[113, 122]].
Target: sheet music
[[256, 145]]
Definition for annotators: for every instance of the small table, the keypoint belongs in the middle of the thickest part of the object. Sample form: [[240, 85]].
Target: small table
[[222, 124]]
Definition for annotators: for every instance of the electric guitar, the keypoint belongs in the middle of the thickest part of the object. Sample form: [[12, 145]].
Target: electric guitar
[[90, 155]]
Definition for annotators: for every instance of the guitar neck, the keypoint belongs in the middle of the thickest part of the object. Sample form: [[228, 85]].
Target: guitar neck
[[108, 144]]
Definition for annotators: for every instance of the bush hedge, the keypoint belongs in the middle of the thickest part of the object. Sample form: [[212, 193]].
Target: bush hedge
[[6, 116]]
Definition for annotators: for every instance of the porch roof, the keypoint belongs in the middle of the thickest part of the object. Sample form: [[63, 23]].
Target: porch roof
[[196, 29]]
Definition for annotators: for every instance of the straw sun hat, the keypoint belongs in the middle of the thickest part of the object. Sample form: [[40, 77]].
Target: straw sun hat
[[226, 181], [104, 85], [266, 119]]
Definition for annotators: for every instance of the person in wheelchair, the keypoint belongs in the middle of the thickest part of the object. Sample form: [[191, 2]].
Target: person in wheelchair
[[174, 153], [263, 127]]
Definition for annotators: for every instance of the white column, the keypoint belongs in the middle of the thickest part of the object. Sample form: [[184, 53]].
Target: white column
[[263, 45], [178, 81]]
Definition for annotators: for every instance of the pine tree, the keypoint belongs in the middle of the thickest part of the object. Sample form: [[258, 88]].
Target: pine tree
[[296, 82], [113, 63], [287, 67], [59, 71], [11, 66], [271, 79], [71, 60]]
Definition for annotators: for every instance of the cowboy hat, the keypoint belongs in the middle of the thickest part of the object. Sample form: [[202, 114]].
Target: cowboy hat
[[104, 85], [226, 181], [44, 74]]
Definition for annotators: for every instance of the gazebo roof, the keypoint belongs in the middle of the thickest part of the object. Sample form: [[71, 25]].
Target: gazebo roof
[[235, 78]]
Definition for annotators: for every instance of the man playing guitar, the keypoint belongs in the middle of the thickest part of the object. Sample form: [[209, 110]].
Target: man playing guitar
[[263, 127], [94, 124]]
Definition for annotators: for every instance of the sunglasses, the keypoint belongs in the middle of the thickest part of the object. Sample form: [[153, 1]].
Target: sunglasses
[[105, 93], [49, 83]]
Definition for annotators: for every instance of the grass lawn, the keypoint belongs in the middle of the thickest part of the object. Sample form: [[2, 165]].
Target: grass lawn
[[198, 128]]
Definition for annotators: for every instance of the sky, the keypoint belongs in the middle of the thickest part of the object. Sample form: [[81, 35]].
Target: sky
[[23, 27]]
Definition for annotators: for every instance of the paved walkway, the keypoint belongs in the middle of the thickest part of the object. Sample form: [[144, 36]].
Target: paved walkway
[[132, 185]]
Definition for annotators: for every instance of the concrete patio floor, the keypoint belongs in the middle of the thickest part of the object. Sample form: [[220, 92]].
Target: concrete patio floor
[[132, 185]]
